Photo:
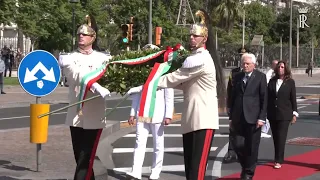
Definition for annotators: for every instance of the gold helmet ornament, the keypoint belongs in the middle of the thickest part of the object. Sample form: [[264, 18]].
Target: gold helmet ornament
[[87, 29], [200, 28]]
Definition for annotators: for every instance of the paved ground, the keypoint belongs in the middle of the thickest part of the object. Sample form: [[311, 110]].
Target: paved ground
[[18, 155], [173, 159]]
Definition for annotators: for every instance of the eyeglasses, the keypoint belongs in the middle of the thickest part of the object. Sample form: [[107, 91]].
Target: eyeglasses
[[83, 34]]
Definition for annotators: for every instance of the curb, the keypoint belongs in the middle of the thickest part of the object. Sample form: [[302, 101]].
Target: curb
[[316, 96], [27, 104]]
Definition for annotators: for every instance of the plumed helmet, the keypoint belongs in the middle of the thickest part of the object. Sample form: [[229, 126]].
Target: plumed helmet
[[200, 28], [90, 28], [243, 50], [87, 28]]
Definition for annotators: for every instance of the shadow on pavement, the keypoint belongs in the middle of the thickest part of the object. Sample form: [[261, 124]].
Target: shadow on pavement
[[111, 173], [7, 178], [183, 175], [7, 165]]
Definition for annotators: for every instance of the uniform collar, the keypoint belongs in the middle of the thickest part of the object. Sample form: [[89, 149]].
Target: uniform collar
[[86, 52], [199, 50]]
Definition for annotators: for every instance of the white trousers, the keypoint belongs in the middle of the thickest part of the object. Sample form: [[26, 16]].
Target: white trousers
[[143, 130]]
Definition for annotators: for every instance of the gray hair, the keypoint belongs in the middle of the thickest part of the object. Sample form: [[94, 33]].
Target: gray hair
[[249, 55]]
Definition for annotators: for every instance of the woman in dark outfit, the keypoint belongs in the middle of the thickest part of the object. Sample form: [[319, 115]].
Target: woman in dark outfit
[[282, 108]]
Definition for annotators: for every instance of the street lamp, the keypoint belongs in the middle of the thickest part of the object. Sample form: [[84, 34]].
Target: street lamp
[[73, 23], [150, 23], [290, 35]]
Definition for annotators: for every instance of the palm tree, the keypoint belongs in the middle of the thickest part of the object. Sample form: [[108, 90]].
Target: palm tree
[[228, 11]]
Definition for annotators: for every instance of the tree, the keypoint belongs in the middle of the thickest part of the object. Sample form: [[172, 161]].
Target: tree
[[259, 19], [7, 11], [281, 27], [228, 11]]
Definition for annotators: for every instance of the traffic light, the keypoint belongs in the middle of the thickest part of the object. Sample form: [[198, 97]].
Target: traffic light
[[125, 32], [135, 29], [158, 35]]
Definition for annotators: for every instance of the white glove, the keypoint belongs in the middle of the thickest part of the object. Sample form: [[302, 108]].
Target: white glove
[[104, 92], [65, 60], [135, 90]]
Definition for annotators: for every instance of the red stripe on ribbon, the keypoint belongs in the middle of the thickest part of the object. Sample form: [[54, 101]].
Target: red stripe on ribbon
[[146, 87], [140, 62], [93, 154], [89, 84], [166, 55], [205, 153]]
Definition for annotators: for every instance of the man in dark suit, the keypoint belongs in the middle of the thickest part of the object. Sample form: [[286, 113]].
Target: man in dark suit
[[231, 155], [248, 113]]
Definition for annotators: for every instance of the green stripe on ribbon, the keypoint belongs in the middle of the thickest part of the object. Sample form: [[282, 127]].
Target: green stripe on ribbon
[[155, 87]]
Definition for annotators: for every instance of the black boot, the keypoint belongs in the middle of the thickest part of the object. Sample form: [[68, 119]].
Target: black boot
[[230, 157]]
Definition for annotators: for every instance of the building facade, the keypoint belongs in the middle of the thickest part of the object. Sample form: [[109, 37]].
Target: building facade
[[9, 36]]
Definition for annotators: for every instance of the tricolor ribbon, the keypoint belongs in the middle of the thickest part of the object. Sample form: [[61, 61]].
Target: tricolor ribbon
[[90, 78], [148, 95]]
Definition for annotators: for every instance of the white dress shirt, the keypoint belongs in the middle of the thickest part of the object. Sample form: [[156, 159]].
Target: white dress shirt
[[269, 75]]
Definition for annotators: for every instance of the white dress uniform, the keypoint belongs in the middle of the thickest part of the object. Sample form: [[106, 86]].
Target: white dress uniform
[[197, 79], [2, 68], [163, 109], [2, 65], [75, 66]]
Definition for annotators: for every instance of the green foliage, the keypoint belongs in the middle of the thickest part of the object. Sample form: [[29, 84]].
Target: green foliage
[[7, 11], [120, 77], [49, 22], [259, 20]]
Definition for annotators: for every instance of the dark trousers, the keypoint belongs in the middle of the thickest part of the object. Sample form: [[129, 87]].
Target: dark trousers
[[85, 143], [246, 144], [8, 67], [310, 72], [279, 133], [196, 149], [1, 82], [231, 137]]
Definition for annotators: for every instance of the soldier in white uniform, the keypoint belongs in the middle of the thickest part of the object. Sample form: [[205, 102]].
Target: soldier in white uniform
[[86, 124], [163, 116], [197, 79], [2, 69]]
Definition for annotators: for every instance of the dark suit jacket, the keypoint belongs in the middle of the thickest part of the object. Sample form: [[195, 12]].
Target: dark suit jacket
[[282, 104], [251, 101], [233, 73]]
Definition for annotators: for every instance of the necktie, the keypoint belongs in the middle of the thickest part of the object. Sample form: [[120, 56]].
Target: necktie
[[246, 81]]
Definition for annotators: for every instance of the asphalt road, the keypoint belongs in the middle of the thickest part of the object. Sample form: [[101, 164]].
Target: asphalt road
[[308, 90], [173, 159], [19, 117]]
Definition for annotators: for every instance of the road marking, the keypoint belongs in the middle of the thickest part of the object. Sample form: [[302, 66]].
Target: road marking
[[171, 149], [301, 100], [304, 104], [223, 117], [178, 125], [301, 107], [175, 135], [217, 164], [147, 170], [309, 112], [310, 86]]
